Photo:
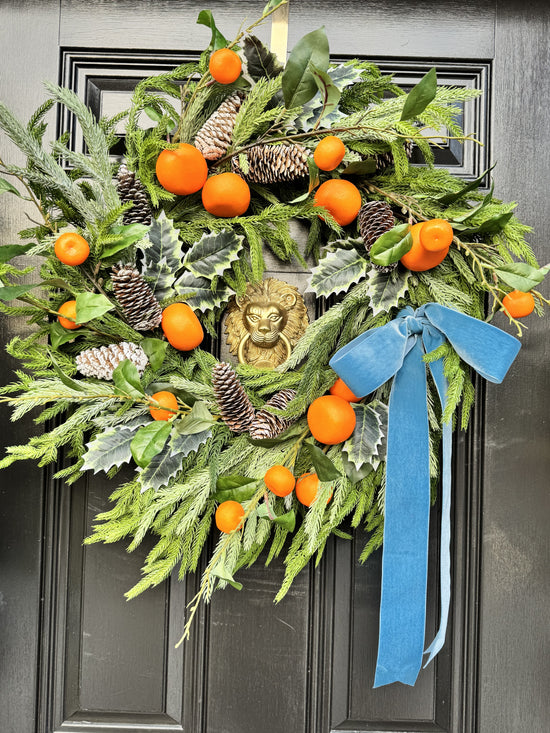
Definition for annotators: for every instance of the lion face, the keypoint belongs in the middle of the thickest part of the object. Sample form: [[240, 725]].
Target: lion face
[[264, 322]]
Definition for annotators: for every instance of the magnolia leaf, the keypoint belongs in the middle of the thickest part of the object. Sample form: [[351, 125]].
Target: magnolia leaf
[[127, 380], [220, 571], [149, 440], [330, 94], [490, 226], [218, 40], [126, 235], [366, 442], [13, 292], [449, 198], [287, 521], [182, 445], [337, 272], [298, 82], [360, 168], [385, 289], [197, 420], [324, 467], [260, 61], [213, 254], [198, 292], [109, 448], [392, 245], [238, 488], [420, 96], [163, 258], [152, 113], [155, 349], [91, 305], [60, 335], [521, 276], [6, 187], [9, 251], [476, 209], [67, 381]]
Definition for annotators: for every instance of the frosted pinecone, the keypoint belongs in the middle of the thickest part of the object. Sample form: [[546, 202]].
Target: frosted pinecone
[[136, 298], [375, 218], [273, 163], [236, 410], [266, 424], [214, 137], [101, 362], [130, 190]]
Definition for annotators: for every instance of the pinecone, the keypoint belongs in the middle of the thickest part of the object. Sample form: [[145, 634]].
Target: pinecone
[[268, 425], [375, 218], [100, 362], [385, 160], [236, 410], [214, 137], [130, 189], [273, 163], [136, 298]]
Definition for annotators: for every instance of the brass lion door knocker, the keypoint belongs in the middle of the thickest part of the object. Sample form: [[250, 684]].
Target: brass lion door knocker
[[265, 323]]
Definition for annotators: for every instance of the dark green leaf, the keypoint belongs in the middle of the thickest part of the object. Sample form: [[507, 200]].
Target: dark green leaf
[[420, 96], [491, 226], [149, 440], [220, 571], [360, 168], [6, 187], [60, 335], [67, 381], [163, 258], [91, 305], [9, 251], [127, 234], [476, 209], [261, 62], [324, 467], [330, 94], [156, 351], [233, 481], [287, 521], [521, 276], [218, 40], [237, 488], [299, 85], [13, 292], [449, 198], [196, 421], [127, 380], [392, 245]]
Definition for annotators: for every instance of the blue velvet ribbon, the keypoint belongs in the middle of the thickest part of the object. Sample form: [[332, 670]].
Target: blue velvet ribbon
[[396, 350]]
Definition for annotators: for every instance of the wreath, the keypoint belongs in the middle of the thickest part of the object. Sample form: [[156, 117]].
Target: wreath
[[226, 158]]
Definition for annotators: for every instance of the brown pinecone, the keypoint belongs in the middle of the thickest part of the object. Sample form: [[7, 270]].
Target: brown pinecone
[[136, 298], [273, 163], [385, 160], [101, 362], [214, 137], [236, 410], [375, 218], [268, 425], [130, 189]]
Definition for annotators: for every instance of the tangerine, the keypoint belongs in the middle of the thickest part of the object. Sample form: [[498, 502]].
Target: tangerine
[[418, 258], [436, 235], [68, 309], [279, 480], [307, 488], [518, 304], [167, 400], [225, 66], [226, 195], [329, 153], [181, 327], [341, 198], [182, 170], [229, 516], [71, 249], [331, 419], [341, 389]]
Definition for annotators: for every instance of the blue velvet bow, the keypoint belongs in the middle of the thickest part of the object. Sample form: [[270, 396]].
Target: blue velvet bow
[[396, 350]]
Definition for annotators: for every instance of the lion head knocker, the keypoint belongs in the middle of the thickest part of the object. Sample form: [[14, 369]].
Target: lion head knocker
[[265, 323]]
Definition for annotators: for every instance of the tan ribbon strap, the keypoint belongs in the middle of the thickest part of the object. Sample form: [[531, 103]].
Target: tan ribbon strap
[[279, 32]]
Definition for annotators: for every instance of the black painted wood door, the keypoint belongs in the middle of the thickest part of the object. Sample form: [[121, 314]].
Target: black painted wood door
[[74, 656]]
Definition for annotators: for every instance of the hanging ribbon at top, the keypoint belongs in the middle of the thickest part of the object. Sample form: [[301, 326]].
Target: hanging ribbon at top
[[396, 350]]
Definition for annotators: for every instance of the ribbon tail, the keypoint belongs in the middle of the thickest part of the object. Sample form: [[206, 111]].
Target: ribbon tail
[[406, 525]]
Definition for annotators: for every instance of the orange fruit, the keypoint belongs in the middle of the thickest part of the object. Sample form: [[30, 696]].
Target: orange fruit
[[342, 198], [418, 258], [307, 488], [329, 153], [182, 170], [229, 516], [226, 194], [68, 309], [331, 419], [181, 326], [436, 235], [341, 389], [225, 66], [518, 304], [166, 399], [71, 248], [279, 480]]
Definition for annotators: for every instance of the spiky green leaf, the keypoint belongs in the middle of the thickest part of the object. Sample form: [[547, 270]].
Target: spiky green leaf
[[385, 289], [366, 442], [162, 260], [198, 292], [108, 449], [213, 254], [260, 61], [337, 272]]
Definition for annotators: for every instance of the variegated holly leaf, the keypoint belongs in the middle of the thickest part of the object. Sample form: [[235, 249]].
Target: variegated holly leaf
[[213, 254], [163, 258], [108, 449], [367, 440], [337, 272], [341, 76], [385, 289], [181, 445], [199, 294], [167, 463]]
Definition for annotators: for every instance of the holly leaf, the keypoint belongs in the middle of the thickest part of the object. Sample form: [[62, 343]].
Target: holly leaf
[[126, 235], [355, 474], [198, 292], [7, 187], [163, 258], [164, 466], [9, 251], [182, 445], [218, 40], [108, 449], [298, 82], [149, 440], [391, 245], [420, 96], [337, 272], [449, 198], [155, 349], [341, 76], [366, 442], [127, 380], [330, 94], [260, 61], [213, 254], [385, 289], [91, 305], [197, 420], [521, 276], [323, 466]]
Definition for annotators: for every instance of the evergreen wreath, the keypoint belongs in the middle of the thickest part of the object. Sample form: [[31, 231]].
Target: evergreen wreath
[[98, 366]]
